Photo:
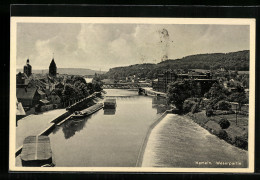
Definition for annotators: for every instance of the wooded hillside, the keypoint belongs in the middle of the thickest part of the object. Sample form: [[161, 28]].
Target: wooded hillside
[[232, 61]]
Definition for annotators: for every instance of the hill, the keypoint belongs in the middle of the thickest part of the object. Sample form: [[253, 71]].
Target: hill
[[233, 61], [70, 71]]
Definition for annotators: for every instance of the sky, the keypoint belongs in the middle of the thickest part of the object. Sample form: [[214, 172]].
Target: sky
[[104, 46]]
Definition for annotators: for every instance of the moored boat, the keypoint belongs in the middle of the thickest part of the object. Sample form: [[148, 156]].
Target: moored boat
[[110, 104], [87, 111], [36, 151]]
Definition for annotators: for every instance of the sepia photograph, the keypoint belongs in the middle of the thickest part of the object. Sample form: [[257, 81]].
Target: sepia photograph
[[132, 94]]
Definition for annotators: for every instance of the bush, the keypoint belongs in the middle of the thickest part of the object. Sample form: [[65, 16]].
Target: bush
[[195, 108], [224, 123], [223, 105], [187, 105], [241, 141], [209, 111], [204, 103], [222, 134]]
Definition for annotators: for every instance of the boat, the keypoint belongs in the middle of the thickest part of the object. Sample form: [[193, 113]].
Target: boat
[[36, 152], [109, 111], [110, 104], [87, 111]]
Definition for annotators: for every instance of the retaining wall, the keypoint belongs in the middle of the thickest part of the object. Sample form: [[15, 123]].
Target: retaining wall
[[142, 149], [48, 130]]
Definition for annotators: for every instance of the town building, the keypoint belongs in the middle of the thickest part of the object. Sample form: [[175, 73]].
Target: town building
[[29, 97], [53, 68], [54, 98], [27, 69], [19, 109], [22, 80], [204, 80]]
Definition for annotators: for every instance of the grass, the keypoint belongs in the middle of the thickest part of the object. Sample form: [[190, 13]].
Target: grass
[[234, 131]]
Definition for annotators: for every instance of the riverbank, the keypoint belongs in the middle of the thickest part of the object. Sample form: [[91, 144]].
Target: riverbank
[[236, 134], [42, 123], [36, 125], [176, 141]]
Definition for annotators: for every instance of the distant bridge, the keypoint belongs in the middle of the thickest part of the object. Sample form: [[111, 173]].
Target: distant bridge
[[125, 85]]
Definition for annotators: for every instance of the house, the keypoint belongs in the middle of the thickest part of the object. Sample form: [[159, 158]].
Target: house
[[20, 113], [29, 97], [21, 80], [203, 80], [54, 98], [44, 102], [19, 109], [41, 93], [44, 105]]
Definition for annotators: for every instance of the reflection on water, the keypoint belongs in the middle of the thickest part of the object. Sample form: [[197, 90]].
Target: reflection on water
[[160, 103], [106, 140], [70, 127], [109, 111]]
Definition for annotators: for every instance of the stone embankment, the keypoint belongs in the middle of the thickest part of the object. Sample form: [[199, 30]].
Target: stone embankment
[[33, 124], [178, 142]]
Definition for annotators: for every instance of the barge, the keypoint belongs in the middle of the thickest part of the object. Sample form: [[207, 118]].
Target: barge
[[110, 104], [87, 111], [36, 152]]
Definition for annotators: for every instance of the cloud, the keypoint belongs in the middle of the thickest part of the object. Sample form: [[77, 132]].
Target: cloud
[[104, 46]]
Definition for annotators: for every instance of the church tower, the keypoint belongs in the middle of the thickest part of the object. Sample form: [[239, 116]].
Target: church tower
[[27, 69], [53, 68]]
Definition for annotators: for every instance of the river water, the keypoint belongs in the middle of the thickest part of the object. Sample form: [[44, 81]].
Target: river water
[[107, 138], [114, 138]]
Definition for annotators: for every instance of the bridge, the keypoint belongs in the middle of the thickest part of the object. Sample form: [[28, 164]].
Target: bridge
[[125, 85]]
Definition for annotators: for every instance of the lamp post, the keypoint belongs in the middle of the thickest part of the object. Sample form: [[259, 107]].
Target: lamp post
[[236, 112], [235, 103]]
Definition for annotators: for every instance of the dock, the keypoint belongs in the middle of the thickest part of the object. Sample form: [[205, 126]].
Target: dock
[[150, 91]]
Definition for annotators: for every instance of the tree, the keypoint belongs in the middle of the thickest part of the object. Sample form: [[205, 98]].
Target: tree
[[179, 91], [217, 91], [69, 92], [223, 105], [239, 97], [224, 123], [90, 88]]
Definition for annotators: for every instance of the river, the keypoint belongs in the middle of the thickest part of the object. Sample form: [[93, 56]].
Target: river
[[114, 138], [107, 138]]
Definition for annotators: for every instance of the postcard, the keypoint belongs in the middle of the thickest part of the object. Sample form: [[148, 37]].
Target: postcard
[[132, 94]]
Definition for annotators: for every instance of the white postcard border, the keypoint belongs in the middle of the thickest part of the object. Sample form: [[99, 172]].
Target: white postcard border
[[104, 20]]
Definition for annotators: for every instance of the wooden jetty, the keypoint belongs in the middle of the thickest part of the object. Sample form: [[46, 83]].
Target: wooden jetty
[[36, 151]]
